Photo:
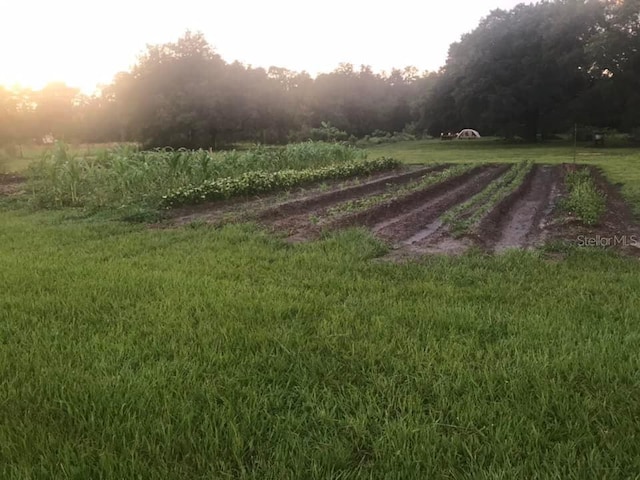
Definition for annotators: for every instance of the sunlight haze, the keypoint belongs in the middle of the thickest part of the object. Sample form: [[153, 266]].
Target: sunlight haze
[[84, 43]]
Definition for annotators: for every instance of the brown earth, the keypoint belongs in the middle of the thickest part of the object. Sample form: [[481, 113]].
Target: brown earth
[[411, 223], [316, 202], [392, 209], [251, 208], [11, 184], [418, 223], [618, 229], [518, 221]]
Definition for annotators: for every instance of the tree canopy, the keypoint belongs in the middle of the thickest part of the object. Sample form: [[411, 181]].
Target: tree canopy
[[532, 71]]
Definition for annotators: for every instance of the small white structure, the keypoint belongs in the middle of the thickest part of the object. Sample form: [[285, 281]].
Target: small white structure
[[468, 134]]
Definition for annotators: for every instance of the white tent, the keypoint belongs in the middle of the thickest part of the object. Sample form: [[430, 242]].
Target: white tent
[[468, 134]]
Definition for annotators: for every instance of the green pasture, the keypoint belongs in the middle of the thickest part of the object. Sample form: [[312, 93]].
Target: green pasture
[[220, 353]]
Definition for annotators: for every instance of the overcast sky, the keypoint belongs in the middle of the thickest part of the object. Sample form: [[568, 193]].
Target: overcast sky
[[85, 42]]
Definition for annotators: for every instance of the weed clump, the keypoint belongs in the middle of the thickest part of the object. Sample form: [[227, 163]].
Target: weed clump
[[584, 200]]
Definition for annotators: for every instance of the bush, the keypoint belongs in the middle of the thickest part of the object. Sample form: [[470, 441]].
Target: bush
[[380, 136], [328, 133]]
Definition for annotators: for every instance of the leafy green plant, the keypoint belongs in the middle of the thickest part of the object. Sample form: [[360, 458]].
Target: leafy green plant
[[583, 199], [328, 133], [252, 183], [126, 176]]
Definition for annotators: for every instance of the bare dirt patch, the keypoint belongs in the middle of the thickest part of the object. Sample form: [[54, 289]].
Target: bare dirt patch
[[396, 207], [317, 202], [308, 216], [11, 184]]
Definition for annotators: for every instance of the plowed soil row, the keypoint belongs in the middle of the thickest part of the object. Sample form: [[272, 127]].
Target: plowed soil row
[[250, 209], [517, 220], [411, 223], [392, 209], [310, 215], [323, 200], [618, 228], [415, 223]]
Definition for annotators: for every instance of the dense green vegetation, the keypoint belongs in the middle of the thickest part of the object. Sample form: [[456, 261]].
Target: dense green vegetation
[[583, 198], [532, 72], [210, 353], [125, 176], [206, 352], [257, 182]]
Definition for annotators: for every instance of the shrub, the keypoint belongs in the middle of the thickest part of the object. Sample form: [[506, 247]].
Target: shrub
[[328, 133]]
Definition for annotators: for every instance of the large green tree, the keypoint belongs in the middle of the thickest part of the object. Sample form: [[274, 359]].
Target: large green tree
[[520, 72], [614, 99]]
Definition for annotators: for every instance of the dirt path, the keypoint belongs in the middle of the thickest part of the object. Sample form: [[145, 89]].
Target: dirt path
[[423, 219], [518, 220]]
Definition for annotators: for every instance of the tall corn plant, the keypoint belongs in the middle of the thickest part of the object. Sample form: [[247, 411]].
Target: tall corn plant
[[126, 175]]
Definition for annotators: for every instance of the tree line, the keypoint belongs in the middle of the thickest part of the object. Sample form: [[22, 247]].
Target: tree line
[[530, 72]]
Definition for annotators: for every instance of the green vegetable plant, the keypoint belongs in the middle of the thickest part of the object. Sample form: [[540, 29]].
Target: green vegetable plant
[[253, 183], [583, 199]]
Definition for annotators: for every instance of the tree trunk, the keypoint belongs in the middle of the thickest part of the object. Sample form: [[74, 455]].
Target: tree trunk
[[531, 126]]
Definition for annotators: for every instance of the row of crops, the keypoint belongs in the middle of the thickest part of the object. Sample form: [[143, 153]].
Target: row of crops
[[126, 175], [253, 183]]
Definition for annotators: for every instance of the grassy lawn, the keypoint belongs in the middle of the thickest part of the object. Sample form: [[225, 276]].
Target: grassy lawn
[[128, 352]]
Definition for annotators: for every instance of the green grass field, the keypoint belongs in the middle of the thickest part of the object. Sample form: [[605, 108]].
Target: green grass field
[[193, 353]]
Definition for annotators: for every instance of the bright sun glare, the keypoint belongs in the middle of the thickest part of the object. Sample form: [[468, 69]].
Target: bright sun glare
[[84, 43]]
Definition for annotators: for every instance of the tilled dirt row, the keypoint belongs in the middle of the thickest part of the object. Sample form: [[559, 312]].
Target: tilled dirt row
[[268, 207], [416, 224], [308, 216], [411, 223], [391, 210], [519, 219], [618, 228], [316, 202]]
